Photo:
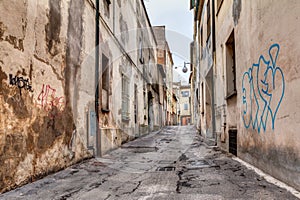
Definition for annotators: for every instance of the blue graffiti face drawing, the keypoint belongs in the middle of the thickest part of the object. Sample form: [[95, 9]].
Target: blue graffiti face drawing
[[263, 89]]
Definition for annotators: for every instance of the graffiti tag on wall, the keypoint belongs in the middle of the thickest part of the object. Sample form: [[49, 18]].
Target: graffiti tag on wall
[[263, 88], [20, 82], [48, 100]]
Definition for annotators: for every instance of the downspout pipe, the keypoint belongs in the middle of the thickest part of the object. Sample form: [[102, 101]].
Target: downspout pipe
[[213, 76], [97, 31], [214, 26]]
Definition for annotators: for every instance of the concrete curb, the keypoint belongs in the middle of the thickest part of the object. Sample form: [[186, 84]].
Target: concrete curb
[[269, 178]]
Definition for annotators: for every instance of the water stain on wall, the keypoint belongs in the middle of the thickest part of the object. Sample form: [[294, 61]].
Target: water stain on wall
[[124, 30], [119, 3], [236, 10], [17, 43], [15, 143], [282, 158], [3, 76], [13, 98], [2, 30], [53, 27], [48, 129], [35, 130], [74, 45]]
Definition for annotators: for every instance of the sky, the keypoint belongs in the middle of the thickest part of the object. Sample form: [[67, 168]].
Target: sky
[[178, 19]]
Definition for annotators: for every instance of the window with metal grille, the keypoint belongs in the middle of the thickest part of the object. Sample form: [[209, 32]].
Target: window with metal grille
[[125, 97]]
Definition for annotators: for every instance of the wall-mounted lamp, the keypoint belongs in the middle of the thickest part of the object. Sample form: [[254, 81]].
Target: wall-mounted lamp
[[185, 69]]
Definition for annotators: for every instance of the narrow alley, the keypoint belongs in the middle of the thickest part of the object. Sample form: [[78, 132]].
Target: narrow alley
[[170, 164], [149, 99]]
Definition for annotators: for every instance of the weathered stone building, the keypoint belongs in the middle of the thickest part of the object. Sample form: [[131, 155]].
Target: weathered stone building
[[185, 105], [78, 78], [176, 102], [248, 75], [165, 63]]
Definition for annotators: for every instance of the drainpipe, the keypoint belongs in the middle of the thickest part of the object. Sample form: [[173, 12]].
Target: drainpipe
[[98, 138], [214, 63]]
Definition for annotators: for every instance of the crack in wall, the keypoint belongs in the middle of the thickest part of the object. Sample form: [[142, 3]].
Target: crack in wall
[[59, 77]]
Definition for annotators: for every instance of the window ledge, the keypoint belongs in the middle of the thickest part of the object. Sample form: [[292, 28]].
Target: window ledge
[[125, 120], [105, 110], [232, 94]]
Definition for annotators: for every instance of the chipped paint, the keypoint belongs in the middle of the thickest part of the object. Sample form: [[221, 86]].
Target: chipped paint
[[37, 131]]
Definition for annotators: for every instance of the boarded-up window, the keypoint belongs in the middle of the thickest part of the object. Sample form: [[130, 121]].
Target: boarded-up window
[[105, 83], [125, 98]]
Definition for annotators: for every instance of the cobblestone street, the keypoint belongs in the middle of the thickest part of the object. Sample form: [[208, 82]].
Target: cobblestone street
[[170, 164]]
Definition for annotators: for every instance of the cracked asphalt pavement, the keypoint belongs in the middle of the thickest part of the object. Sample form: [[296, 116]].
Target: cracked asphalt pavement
[[173, 163]]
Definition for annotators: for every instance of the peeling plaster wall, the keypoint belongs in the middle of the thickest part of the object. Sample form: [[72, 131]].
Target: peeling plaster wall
[[43, 114], [48, 84], [265, 35]]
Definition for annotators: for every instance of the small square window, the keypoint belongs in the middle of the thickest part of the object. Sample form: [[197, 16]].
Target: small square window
[[185, 93], [186, 106]]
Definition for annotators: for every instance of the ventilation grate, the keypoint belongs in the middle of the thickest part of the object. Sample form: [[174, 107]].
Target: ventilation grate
[[233, 142]]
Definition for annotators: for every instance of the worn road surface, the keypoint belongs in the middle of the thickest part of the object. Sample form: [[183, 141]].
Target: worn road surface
[[169, 164]]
